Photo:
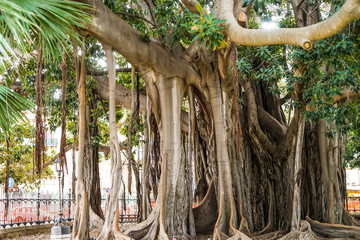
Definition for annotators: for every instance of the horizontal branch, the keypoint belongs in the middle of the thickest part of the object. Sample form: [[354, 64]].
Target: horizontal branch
[[123, 95], [94, 72], [110, 29], [302, 37], [104, 149], [346, 94]]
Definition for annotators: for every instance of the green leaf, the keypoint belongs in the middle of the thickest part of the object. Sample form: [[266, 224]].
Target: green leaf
[[199, 8]]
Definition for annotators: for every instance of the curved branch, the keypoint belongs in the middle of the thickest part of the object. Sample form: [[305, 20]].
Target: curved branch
[[271, 124], [302, 37], [253, 120], [110, 29]]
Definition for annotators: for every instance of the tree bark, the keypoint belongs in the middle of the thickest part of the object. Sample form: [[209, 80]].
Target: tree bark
[[110, 225], [81, 217]]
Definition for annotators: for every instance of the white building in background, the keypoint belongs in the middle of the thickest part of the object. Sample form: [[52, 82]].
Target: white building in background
[[353, 182]]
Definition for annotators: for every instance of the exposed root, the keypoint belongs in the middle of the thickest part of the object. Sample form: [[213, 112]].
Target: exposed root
[[304, 232], [146, 228], [218, 235], [244, 226], [270, 236], [334, 230], [239, 236], [116, 230], [349, 220]]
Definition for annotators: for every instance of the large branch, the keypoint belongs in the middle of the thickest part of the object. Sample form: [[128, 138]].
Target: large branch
[[295, 36], [123, 95], [346, 95], [110, 29], [104, 149]]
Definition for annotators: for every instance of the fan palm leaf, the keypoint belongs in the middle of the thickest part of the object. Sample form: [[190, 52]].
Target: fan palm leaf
[[12, 107], [23, 22]]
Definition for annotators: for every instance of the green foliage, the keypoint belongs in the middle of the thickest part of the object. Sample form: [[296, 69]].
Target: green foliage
[[328, 75], [12, 107], [352, 154], [208, 28], [25, 23], [20, 155]]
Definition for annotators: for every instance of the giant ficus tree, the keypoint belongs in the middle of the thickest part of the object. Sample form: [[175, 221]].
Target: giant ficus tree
[[258, 173], [258, 128]]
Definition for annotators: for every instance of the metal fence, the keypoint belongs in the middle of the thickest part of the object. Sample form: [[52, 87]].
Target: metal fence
[[19, 211]]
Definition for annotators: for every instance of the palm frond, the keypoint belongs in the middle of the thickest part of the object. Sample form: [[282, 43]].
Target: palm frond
[[53, 21], [12, 107]]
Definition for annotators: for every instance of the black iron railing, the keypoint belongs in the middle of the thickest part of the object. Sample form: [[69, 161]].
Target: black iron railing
[[32, 211]]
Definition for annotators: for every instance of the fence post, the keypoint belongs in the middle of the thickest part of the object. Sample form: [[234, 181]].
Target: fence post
[[38, 207]]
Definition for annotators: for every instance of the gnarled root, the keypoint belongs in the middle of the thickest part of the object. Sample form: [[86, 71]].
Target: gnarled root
[[305, 232], [348, 219], [148, 228], [270, 236], [334, 230]]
